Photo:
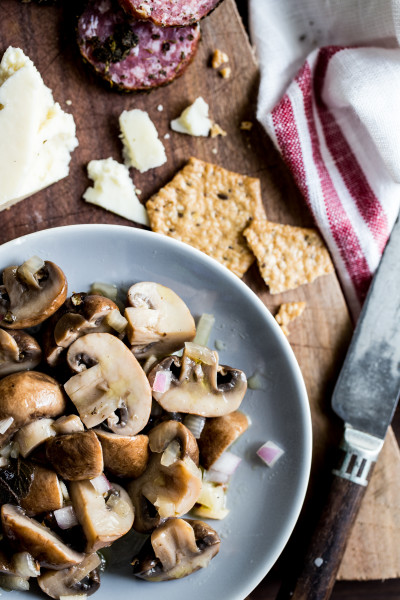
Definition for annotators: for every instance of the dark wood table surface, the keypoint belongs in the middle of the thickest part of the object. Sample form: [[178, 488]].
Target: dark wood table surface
[[343, 590]]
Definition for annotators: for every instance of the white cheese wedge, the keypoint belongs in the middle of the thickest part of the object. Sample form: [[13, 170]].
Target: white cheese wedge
[[194, 119], [142, 148], [114, 190], [36, 136]]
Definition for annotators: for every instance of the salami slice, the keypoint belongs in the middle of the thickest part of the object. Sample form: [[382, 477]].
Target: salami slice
[[170, 13], [130, 54]]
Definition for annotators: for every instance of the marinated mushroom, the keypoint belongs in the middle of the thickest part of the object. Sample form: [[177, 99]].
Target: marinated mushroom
[[124, 456], [68, 424], [19, 351], [198, 384], [44, 494], [79, 579], [103, 519], [110, 384], [218, 434], [33, 434], [179, 547], [159, 322], [26, 396], [171, 483], [31, 293], [29, 535], [79, 315], [75, 456]]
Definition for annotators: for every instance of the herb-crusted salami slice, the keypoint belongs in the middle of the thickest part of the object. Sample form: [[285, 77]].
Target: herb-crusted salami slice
[[170, 13], [133, 55]]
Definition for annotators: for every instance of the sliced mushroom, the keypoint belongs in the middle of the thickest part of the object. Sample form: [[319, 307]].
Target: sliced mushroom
[[45, 493], [68, 424], [80, 579], [159, 322], [26, 396], [32, 435], [103, 520], [27, 301], [110, 384], [39, 541], [79, 315], [171, 483], [179, 547], [76, 456], [199, 385], [19, 351], [218, 434], [124, 456]]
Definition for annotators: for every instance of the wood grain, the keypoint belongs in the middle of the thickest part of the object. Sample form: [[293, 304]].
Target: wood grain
[[321, 336]]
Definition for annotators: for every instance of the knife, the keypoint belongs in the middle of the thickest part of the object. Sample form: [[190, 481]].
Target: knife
[[365, 398]]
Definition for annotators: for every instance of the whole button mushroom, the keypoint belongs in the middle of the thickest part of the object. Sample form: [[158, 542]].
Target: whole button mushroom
[[172, 480], [27, 396], [198, 384], [31, 293], [110, 384], [19, 351], [159, 322], [179, 547], [78, 581]]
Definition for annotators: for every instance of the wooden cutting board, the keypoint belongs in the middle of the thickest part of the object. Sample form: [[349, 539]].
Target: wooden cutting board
[[321, 336]]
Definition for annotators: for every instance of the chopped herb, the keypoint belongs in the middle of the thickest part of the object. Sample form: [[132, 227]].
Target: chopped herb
[[166, 46], [115, 47], [15, 481]]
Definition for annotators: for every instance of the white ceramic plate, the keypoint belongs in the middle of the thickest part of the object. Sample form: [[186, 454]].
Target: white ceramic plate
[[264, 503]]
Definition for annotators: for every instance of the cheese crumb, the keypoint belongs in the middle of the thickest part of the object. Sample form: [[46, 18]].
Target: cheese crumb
[[142, 148], [218, 59], [113, 190], [246, 125], [36, 136], [225, 72], [160, 108], [217, 130], [194, 120], [68, 102]]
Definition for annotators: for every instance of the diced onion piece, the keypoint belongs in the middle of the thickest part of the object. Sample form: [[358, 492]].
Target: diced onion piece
[[227, 463], [108, 290], [216, 476], [101, 484], [6, 424], [171, 453], [270, 453], [25, 565], [13, 582], [115, 320], [195, 423], [28, 270], [200, 353], [162, 381], [66, 517], [74, 597], [203, 330], [212, 501], [3, 461]]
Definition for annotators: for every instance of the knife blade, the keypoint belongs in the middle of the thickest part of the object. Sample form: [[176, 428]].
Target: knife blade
[[365, 397]]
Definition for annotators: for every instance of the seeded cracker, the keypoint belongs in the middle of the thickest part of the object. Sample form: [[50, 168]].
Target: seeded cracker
[[287, 313], [208, 207], [287, 256]]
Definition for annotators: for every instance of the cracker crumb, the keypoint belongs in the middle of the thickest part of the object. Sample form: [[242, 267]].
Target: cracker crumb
[[209, 207], [287, 313], [287, 256], [167, 136], [225, 72], [68, 102], [218, 59], [246, 125], [214, 150], [217, 130], [160, 108]]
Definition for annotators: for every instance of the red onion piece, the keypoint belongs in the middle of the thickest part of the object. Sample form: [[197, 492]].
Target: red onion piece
[[101, 484], [162, 381], [270, 453], [66, 517], [223, 467]]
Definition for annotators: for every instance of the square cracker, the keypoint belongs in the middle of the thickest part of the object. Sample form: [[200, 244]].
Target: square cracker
[[209, 207], [287, 256]]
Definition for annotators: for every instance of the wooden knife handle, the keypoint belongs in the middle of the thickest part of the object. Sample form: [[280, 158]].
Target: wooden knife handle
[[316, 575]]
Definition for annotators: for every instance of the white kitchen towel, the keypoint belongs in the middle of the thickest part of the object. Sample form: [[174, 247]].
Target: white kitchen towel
[[330, 100]]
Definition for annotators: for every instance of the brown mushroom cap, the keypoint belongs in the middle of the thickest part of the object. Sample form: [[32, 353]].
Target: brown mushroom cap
[[124, 456], [218, 434], [69, 582], [45, 492], [203, 387], [75, 456], [19, 351], [39, 541], [102, 521], [180, 547], [26, 396], [159, 322], [110, 384], [24, 304]]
